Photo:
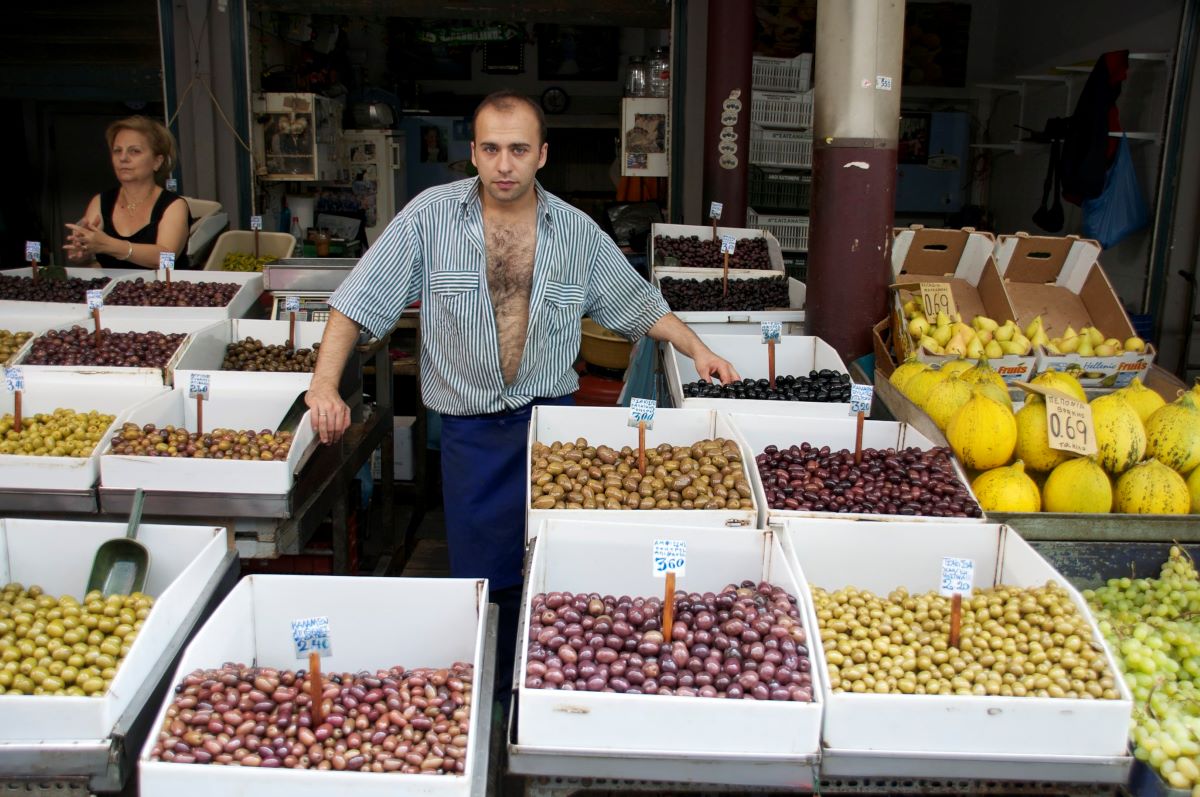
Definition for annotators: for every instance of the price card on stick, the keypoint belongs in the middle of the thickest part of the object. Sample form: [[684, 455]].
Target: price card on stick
[[641, 415], [292, 305], [198, 389], [728, 244], [172, 184], [958, 579], [936, 297], [670, 556], [256, 223], [311, 638], [714, 213], [166, 262], [14, 380], [772, 332], [861, 397], [33, 251], [95, 301]]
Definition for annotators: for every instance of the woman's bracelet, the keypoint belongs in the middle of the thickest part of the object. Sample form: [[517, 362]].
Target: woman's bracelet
[[129, 254]]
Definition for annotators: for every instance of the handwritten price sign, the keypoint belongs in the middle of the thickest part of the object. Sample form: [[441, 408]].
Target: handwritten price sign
[[772, 331], [198, 386], [1069, 425], [958, 576], [14, 380], [937, 298], [33, 251], [670, 556], [166, 261], [256, 222], [95, 299], [291, 304], [714, 210], [311, 635], [860, 399], [642, 410], [728, 244]]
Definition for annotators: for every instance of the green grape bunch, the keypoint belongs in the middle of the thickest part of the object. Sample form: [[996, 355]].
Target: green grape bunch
[[1153, 627], [240, 261]]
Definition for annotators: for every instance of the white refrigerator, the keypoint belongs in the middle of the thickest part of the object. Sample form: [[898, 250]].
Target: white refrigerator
[[377, 175]]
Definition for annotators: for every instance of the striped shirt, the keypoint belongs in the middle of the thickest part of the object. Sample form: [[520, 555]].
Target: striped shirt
[[433, 250]]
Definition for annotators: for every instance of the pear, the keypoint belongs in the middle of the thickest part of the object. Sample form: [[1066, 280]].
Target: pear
[[1135, 344], [1070, 344], [1114, 343], [956, 346], [963, 331], [993, 350], [942, 334], [1023, 343], [1009, 347], [985, 336], [1039, 338], [943, 320], [1086, 348], [975, 349], [1070, 333], [1006, 331], [910, 308], [983, 323], [918, 327], [1105, 350], [1096, 336], [1033, 327], [1052, 347], [930, 345]]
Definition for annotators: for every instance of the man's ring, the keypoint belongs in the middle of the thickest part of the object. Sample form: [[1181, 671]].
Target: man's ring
[[323, 414]]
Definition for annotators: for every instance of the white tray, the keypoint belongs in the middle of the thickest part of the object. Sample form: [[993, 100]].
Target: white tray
[[910, 554], [794, 354], [231, 408], [57, 556], [25, 319], [239, 305], [794, 313], [206, 351], [67, 473], [608, 426], [705, 233], [756, 432], [252, 626], [66, 309], [613, 557]]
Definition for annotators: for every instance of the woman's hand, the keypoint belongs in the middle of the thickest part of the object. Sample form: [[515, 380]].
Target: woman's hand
[[86, 240]]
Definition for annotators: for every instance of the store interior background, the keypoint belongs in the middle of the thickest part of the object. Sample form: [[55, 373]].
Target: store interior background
[[71, 67]]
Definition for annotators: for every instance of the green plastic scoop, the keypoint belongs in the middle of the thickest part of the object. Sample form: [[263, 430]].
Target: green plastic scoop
[[121, 565]]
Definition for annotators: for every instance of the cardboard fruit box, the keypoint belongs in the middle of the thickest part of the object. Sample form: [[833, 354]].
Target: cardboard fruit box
[[963, 259], [1061, 280]]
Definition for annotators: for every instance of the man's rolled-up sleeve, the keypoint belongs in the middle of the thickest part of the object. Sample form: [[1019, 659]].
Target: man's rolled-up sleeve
[[617, 296], [385, 281]]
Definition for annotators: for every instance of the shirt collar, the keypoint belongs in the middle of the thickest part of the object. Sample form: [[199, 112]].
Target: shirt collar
[[470, 199]]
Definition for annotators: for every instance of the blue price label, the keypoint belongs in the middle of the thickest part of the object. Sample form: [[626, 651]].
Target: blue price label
[[670, 556], [772, 331], [714, 210], [33, 251], [256, 222], [311, 635], [642, 410], [198, 386], [291, 304], [166, 260], [95, 299], [728, 244], [14, 380], [860, 399], [172, 184], [958, 576]]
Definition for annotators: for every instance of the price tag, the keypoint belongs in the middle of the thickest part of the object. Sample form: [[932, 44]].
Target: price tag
[[714, 210], [937, 298], [166, 261], [641, 409], [33, 251], [1069, 425], [14, 380], [198, 386], [311, 635], [728, 243], [670, 556], [291, 304], [958, 576], [772, 331], [256, 222], [860, 399], [172, 184], [95, 299]]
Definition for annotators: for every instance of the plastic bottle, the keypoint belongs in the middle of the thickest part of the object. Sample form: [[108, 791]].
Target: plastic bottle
[[297, 233], [636, 78]]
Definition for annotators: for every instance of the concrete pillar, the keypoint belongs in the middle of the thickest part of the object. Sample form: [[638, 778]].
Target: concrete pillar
[[855, 131], [726, 154]]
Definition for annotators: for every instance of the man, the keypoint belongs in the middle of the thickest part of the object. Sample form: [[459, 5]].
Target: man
[[504, 271]]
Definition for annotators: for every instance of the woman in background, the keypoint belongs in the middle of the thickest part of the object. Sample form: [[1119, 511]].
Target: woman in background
[[130, 225]]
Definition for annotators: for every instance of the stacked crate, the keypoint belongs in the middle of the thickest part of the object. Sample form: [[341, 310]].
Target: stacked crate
[[781, 154]]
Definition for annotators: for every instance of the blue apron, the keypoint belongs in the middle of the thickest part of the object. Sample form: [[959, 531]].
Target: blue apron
[[483, 458]]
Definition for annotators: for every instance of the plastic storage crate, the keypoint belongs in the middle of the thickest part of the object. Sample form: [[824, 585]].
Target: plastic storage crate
[[778, 190], [793, 111], [784, 149], [783, 74], [792, 231], [796, 266]]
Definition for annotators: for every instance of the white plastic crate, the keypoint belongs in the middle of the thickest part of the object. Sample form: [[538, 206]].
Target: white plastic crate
[[775, 109], [786, 149], [792, 231], [783, 74]]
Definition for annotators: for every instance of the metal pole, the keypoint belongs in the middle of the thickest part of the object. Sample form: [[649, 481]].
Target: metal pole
[[730, 56], [856, 125]]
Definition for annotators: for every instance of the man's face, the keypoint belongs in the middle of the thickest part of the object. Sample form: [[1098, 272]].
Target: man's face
[[507, 153]]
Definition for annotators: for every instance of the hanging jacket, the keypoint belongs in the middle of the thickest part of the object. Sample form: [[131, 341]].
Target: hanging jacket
[[1088, 149]]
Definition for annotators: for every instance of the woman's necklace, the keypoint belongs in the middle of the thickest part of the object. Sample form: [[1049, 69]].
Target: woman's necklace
[[133, 204]]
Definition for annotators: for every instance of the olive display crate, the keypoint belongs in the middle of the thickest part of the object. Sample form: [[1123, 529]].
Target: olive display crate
[[66, 310], [705, 233], [241, 303], [793, 313], [205, 352], [253, 626], [1027, 734], [57, 555], [28, 472], [609, 426], [757, 431], [776, 743], [30, 320], [795, 355]]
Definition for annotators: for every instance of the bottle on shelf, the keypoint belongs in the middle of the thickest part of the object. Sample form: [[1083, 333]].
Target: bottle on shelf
[[297, 233], [637, 78], [285, 217], [659, 83]]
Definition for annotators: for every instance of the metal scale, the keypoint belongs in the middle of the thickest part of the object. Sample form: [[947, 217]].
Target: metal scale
[[310, 279]]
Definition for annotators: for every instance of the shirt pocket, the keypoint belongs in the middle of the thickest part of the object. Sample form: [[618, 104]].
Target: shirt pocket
[[563, 294], [454, 296], [453, 283]]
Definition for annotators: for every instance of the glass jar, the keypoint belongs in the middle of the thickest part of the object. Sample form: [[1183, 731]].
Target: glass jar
[[637, 78], [660, 73]]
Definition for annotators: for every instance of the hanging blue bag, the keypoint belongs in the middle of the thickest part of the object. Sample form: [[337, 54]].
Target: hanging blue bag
[[1120, 210]]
